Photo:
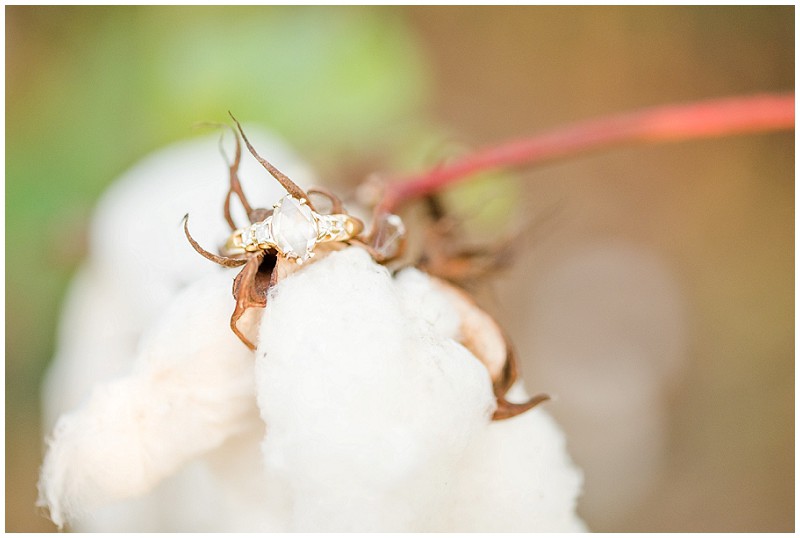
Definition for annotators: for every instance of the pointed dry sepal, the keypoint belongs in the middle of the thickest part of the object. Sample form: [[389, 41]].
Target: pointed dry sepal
[[503, 384], [290, 186], [506, 409], [222, 260], [235, 186]]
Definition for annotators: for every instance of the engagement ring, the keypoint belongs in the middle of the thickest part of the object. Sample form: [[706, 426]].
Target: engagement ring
[[293, 230]]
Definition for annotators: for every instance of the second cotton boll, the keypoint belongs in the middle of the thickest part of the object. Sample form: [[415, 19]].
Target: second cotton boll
[[375, 413]]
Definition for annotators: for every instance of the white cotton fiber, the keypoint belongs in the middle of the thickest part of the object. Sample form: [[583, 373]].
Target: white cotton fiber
[[191, 389], [378, 420], [368, 409]]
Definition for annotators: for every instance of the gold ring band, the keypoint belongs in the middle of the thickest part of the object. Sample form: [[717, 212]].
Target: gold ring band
[[293, 229]]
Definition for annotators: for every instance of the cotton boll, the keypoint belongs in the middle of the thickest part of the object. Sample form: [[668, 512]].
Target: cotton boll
[[192, 388], [371, 413], [368, 409]]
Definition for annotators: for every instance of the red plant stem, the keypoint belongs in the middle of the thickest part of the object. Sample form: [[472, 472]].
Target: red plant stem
[[720, 117]]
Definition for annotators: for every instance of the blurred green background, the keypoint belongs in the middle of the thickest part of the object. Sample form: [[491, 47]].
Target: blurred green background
[[89, 90]]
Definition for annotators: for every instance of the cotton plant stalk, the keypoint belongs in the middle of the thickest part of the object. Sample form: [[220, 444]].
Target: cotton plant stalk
[[362, 408]]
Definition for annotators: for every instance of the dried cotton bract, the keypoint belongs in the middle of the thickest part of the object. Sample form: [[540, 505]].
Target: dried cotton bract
[[360, 410]]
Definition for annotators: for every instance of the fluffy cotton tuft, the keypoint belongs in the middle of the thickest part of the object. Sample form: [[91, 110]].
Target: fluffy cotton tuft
[[379, 420], [191, 389], [139, 261]]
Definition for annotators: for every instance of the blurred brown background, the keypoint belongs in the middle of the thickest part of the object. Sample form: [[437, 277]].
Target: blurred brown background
[[654, 296]]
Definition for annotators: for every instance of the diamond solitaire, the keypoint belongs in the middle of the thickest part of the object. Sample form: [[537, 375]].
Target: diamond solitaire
[[293, 230]]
